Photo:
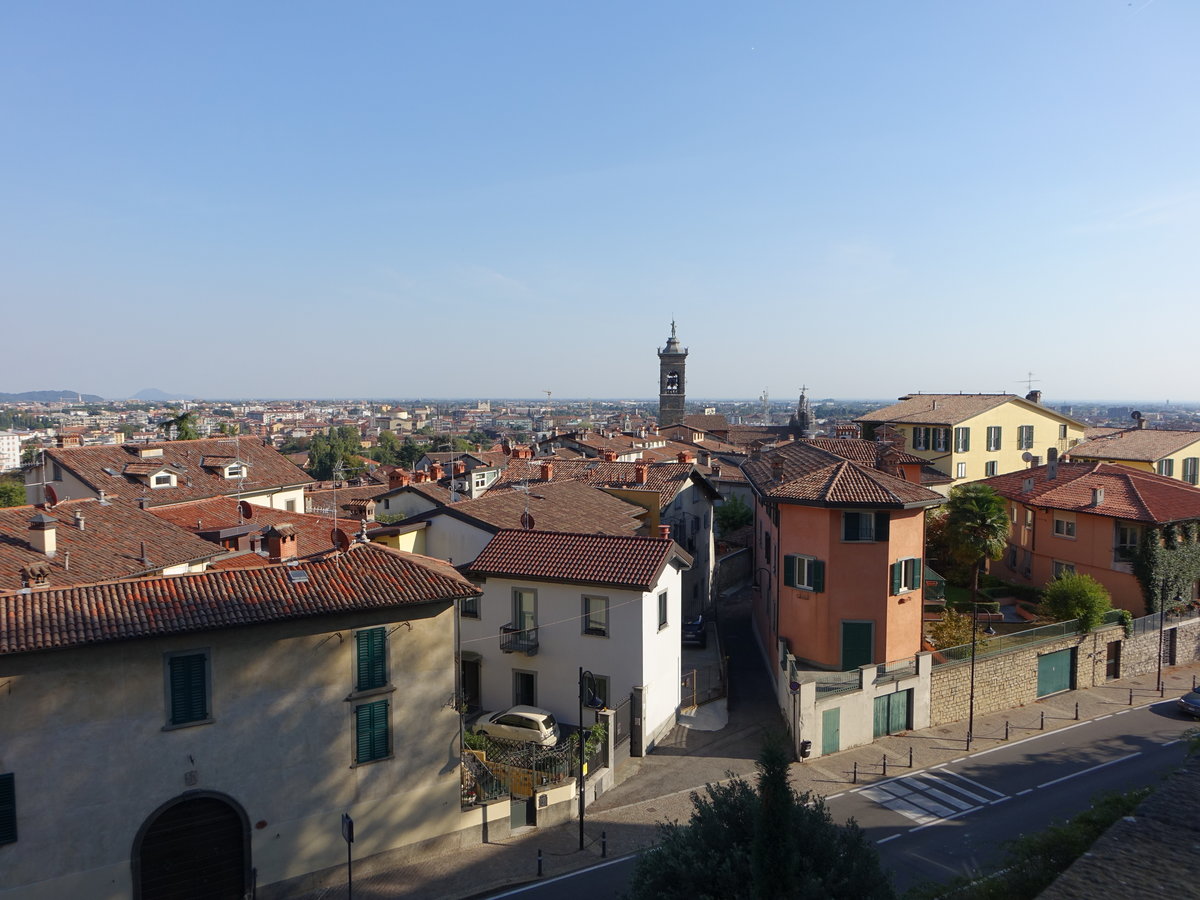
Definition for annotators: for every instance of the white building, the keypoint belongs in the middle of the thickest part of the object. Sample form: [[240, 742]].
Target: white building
[[554, 603], [10, 451]]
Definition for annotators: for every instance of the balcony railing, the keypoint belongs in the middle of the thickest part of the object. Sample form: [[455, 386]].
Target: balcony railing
[[518, 640]]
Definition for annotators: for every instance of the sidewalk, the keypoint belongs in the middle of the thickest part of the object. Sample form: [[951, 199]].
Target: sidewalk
[[629, 818]]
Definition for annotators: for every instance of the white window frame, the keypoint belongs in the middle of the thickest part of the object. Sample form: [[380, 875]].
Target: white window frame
[[962, 440], [991, 468], [1165, 467], [994, 438], [663, 609], [1063, 568], [1024, 437], [804, 571], [1064, 525], [588, 614], [941, 439], [960, 470]]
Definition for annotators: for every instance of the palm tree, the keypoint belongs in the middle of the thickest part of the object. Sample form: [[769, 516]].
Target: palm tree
[[977, 526]]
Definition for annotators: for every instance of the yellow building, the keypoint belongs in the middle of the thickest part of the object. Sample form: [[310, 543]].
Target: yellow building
[[1175, 454], [972, 436]]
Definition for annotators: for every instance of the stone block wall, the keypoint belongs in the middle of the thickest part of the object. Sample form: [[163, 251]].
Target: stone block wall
[[1010, 679]]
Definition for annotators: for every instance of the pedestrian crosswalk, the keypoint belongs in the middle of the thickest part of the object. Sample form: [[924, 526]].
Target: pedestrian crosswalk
[[932, 795]]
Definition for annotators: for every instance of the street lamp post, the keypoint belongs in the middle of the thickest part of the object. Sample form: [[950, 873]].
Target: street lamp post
[[974, 644], [588, 698]]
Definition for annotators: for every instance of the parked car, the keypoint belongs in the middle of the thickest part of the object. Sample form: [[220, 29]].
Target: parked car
[[695, 631], [1190, 703], [522, 723]]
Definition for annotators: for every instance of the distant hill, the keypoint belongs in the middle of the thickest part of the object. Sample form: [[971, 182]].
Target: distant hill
[[48, 397], [156, 395]]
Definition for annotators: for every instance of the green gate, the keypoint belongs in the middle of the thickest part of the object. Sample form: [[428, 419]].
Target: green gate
[[1055, 672], [858, 640], [831, 731], [892, 713]]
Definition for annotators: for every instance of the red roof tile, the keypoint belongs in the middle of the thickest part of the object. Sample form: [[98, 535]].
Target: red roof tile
[[367, 576], [617, 561], [805, 473], [666, 479], [1141, 445], [1128, 493]]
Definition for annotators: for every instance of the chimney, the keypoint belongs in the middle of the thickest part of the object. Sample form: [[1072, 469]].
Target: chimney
[[43, 534], [664, 531], [35, 575], [460, 467], [435, 472], [103, 500], [641, 471], [777, 468], [281, 542], [684, 456], [397, 478], [608, 455], [716, 471], [1034, 397], [79, 519], [547, 471], [1097, 496]]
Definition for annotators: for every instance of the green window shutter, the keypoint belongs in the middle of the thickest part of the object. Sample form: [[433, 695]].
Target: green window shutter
[[818, 575], [897, 575], [8, 809], [371, 731], [372, 658], [882, 520], [789, 571], [189, 688]]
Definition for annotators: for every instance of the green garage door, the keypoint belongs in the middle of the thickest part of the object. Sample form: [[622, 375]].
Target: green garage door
[[892, 713], [1055, 672], [831, 731]]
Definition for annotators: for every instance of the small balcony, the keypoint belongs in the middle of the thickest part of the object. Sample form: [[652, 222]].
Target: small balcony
[[518, 640]]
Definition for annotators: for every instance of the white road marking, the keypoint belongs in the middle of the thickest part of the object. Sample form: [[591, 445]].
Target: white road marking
[[889, 838], [1111, 762], [982, 787], [1023, 793]]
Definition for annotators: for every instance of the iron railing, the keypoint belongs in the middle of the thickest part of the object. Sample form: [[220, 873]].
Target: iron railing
[[518, 640], [895, 670], [479, 785]]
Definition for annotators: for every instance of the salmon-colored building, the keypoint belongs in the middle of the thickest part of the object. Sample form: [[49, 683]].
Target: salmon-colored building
[[1088, 518], [839, 546]]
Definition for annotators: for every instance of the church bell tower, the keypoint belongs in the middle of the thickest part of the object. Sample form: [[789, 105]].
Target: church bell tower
[[671, 364]]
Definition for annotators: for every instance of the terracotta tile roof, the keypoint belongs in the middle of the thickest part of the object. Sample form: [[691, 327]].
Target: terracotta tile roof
[[948, 409], [555, 506], [665, 479], [1142, 445], [206, 516], [103, 468], [808, 474], [615, 561], [367, 576], [349, 499], [1128, 493], [751, 435], [707, 423], [108, 547], [860, 451]]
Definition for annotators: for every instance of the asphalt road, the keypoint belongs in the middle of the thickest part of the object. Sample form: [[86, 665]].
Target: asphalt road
[[952, 819], [933, 824]]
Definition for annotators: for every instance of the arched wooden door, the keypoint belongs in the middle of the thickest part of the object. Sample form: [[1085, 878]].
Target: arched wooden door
[[197, 847]]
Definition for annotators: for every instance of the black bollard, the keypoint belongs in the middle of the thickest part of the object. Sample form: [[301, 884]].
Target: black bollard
[[1006, 729], [1076, 710], [885, 765], [855, 781], [539, 863], [1042, 725], [910, 757], [1131, 696], [604, 845]]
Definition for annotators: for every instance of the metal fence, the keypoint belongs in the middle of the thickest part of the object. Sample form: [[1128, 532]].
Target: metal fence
[[1155, 621], [995, 645], [702, 684], [895, 670], [622, 721], [478, 784], [523, 768]]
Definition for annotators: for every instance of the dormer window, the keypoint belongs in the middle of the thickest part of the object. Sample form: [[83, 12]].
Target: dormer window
[[163, 480], [237, 470]]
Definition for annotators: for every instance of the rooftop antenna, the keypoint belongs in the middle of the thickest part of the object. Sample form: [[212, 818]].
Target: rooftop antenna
[[237, 456], [1028, 381]]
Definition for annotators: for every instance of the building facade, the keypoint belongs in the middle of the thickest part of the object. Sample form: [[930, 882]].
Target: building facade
[[672, 381]]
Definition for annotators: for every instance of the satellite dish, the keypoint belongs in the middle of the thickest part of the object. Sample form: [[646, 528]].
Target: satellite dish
[[51, 495], [527, 521], [341, 540], [1135, 415], [245, 509], [1027, 456]]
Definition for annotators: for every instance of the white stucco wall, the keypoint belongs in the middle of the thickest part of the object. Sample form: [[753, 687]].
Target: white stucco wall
[[454, 540], [634, 654], [82, 731]]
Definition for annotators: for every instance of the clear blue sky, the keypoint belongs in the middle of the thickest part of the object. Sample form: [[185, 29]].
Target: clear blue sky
[[496, 199]]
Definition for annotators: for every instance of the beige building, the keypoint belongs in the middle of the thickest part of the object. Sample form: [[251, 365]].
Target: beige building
[[1175, 454], [214, 728], [972, 436]]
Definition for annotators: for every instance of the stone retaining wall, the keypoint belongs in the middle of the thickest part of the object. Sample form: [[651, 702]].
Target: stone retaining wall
[[1010, 679]]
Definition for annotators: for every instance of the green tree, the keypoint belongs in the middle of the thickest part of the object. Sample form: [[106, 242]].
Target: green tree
[[387, 449], [184, 426], [952, 630], [732, 515], [1082, 597], [335, 455], [976, 527], [760, 842], [12, 492]]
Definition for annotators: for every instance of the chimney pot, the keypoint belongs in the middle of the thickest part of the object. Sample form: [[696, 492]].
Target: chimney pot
[[43, 534], [641, 472], [79, 519], [547, 471], [664, 531], [1097, 496]]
